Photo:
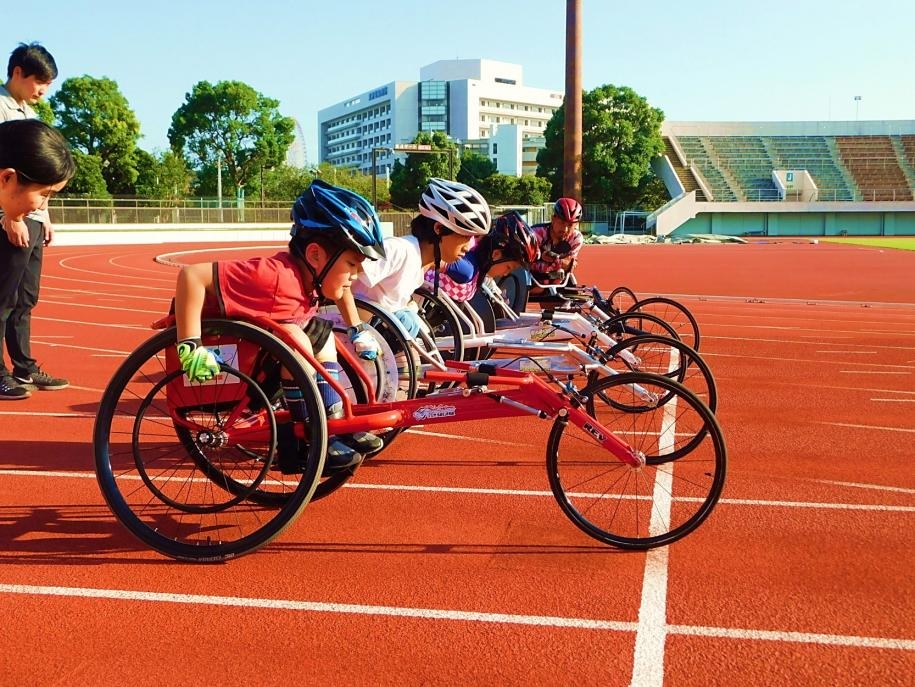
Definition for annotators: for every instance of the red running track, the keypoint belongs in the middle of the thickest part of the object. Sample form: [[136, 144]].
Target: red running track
[[447, 561]]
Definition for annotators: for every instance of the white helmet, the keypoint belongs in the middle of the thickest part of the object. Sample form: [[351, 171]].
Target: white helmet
[[456, 206]]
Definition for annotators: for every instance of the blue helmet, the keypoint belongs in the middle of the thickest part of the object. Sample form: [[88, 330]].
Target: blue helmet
[[346, 218]]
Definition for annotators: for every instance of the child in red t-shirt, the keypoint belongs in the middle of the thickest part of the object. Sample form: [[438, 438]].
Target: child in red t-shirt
[[333, 231]]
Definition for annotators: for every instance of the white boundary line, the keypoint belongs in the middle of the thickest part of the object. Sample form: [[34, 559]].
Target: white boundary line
[[455, 615], [651, 635], [877, 508]]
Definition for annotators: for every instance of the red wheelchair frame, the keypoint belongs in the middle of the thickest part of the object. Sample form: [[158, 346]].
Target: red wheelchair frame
[[191, 469]]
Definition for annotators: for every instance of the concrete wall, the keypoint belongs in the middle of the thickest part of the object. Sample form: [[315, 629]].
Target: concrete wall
[[113, 234]]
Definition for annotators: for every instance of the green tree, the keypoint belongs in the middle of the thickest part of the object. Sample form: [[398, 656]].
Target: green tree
[[280, 183], [409, 178], [530, 190], [652, 194], [498, 189], [504, 189], [621, 133], [232, 123], [96, 118], [43, 110], [163, 175], [475, 167], [88, 180]]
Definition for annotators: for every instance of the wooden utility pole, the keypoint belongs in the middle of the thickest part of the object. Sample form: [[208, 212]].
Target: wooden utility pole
[[571, 165]]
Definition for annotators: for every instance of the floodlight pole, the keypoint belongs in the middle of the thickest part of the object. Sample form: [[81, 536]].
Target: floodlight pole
[[571, 167]]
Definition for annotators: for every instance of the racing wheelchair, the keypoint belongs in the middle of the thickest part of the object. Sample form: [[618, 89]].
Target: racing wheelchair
[[196, 472]]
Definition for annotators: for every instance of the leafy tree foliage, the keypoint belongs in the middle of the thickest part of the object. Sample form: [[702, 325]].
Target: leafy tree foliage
[[280, 183], [503, 189], [95, 118], [231, 122], [621, 133], [409, 178], [43, 110], [88, 179], [164, 176], [475, 167], [652, 194]]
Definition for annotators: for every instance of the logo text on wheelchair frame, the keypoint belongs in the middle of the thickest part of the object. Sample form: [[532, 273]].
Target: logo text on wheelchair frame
[[593, 431], [430, 412]]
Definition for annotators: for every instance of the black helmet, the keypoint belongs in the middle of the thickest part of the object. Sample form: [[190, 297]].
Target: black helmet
[[513, 236]]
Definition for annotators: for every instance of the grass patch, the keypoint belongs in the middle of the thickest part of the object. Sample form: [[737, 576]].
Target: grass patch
[[898, 242]]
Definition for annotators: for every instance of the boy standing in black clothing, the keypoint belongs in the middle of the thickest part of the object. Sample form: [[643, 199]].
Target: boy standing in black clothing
[[30, 72]]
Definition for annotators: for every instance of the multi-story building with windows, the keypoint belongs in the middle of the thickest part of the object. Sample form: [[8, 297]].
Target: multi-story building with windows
[[480, 103]]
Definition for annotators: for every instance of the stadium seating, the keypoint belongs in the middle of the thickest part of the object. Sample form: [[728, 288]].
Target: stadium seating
[[844, 168]]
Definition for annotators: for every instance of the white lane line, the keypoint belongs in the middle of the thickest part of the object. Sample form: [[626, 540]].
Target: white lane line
[[813, 361], [806, 343], [893, 400], [159, 313], [68, 293], [902, 644], [321, 607], [856, 426], [651, 635], [83, 416], [873, 372], [859, 485], [796, 637], [143, 287], [813, 505]]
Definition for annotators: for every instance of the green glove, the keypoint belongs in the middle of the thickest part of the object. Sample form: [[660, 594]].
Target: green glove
[[197, 361]]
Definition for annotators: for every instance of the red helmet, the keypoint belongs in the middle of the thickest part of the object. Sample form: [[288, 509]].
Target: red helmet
[[513, 236], [568, 209]]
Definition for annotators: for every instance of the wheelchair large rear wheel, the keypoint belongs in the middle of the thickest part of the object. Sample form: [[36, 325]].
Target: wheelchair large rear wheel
[[191, 469]]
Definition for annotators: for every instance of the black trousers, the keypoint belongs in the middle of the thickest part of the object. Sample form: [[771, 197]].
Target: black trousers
[[20, 275]]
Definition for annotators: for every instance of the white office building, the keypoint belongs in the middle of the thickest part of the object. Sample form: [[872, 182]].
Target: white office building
[[480, 103]]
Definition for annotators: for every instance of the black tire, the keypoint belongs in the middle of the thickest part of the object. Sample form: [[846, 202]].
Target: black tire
[[631, 324], [136, 444], [382, 321], [621, 299], [675, 314], [482, 306], [653, 505], [443, 323], [669, 357], [515, 287]]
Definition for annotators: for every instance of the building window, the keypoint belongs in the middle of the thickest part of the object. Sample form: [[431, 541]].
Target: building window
[[495, 148]]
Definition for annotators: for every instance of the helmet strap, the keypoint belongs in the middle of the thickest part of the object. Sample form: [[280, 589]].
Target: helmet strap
[[317, 278], [437, 253]]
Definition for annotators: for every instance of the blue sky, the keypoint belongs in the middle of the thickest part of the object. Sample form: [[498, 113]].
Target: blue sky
[[708, 61]]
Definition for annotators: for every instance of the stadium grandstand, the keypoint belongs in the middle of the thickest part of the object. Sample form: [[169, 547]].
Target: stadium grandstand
[[787, 178]]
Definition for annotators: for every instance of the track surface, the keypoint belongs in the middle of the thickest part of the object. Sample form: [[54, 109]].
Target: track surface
[[447, 561]]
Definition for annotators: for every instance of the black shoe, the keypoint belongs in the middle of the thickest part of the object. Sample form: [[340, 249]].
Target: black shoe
[[11, 390], [291, 461], [363, 442], [42, 380], [339, 457]]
